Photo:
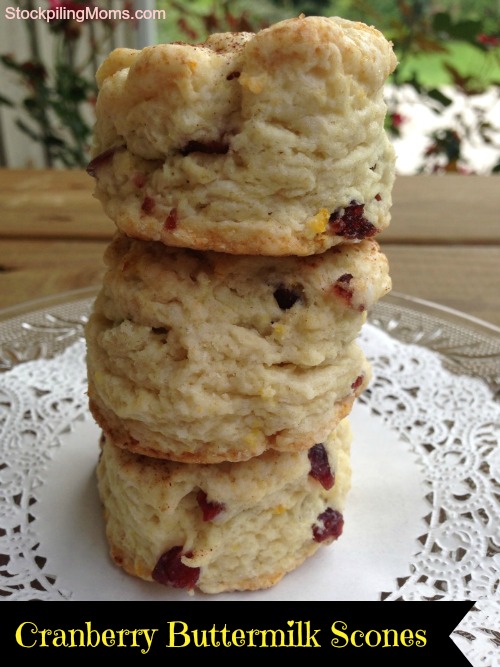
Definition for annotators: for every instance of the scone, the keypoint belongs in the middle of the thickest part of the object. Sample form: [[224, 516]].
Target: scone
[[225, 527], [205, 357], [270, 144], [260, 310]]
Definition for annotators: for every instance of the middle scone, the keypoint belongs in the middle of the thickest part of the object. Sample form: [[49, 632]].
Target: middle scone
[[191, 352]]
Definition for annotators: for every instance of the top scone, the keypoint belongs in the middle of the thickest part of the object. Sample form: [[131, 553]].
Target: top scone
[[270, 143]]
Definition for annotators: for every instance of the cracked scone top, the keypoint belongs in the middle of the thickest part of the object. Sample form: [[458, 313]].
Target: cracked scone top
[[270, 143]]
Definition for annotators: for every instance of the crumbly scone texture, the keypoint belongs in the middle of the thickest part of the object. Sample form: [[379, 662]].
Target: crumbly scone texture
[[209, 307], [270, 143], [204, 357], [243, 526]]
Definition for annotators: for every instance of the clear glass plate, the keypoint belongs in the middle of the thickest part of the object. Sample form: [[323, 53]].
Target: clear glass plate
[[44, 327], [436, 371]]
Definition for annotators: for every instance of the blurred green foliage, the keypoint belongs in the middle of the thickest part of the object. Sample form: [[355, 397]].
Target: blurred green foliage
[[437, 41]]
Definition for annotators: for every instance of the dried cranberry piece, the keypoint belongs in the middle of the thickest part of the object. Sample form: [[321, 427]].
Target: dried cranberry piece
[[171, 571], [171, 220], [330, 524], [210, 509], [148, 205], [345, 278], [378, 197], [212, 147], [343, 293], [342, 289], [351, 223], [139, 180], [285, 297], [357, 382], [102, 159], [320, 466]]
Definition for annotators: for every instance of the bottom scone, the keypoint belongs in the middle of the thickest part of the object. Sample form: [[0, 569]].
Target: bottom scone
[[226, 526]]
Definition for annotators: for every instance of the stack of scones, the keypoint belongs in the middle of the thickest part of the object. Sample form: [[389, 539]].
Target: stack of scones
[[247, 177]]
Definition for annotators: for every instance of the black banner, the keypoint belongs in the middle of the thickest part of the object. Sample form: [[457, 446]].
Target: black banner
[[397, 632]]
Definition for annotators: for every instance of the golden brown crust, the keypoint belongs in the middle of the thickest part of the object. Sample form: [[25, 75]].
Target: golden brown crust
[[138, 568], [155, 446], [219, 239]]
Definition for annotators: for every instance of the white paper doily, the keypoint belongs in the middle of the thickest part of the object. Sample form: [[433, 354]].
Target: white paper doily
[[422, 521]]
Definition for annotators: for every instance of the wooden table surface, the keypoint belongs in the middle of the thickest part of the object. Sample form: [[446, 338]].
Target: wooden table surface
[[443, 244]]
